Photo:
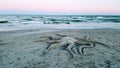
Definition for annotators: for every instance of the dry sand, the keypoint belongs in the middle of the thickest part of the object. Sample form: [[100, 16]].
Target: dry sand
[[18, 49]]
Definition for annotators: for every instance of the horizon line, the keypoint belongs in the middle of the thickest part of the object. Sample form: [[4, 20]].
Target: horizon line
[[56, 13], [60, 14]]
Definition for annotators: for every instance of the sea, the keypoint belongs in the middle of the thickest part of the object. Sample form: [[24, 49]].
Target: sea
[[18, 22]]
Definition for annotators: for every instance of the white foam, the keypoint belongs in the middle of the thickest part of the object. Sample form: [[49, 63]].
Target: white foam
[[62, 26]]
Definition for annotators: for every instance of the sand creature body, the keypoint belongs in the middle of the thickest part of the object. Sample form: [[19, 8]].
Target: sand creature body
[[62, 40]]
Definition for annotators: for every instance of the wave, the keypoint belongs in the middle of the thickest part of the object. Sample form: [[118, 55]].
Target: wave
[[60, 21]]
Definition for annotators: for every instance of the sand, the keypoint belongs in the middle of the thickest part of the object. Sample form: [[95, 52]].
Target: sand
[[18, 49]]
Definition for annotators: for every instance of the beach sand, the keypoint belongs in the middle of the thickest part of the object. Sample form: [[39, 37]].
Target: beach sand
[[18, 49]]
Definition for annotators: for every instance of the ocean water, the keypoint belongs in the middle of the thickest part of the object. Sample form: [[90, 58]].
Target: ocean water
[[17, 22]]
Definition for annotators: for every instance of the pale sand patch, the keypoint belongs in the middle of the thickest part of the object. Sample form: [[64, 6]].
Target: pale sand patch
[[18, 50]]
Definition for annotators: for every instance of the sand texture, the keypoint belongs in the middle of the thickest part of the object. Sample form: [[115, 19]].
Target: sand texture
[[19, 49]]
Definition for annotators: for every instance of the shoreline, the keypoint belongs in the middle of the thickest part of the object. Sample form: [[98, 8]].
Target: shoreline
[[34, 30], [6, 27]]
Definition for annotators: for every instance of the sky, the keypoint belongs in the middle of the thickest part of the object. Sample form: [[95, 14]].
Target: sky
[[60, 6]]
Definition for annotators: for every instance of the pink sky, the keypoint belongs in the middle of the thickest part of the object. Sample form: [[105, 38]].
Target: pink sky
[[70, 6]]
